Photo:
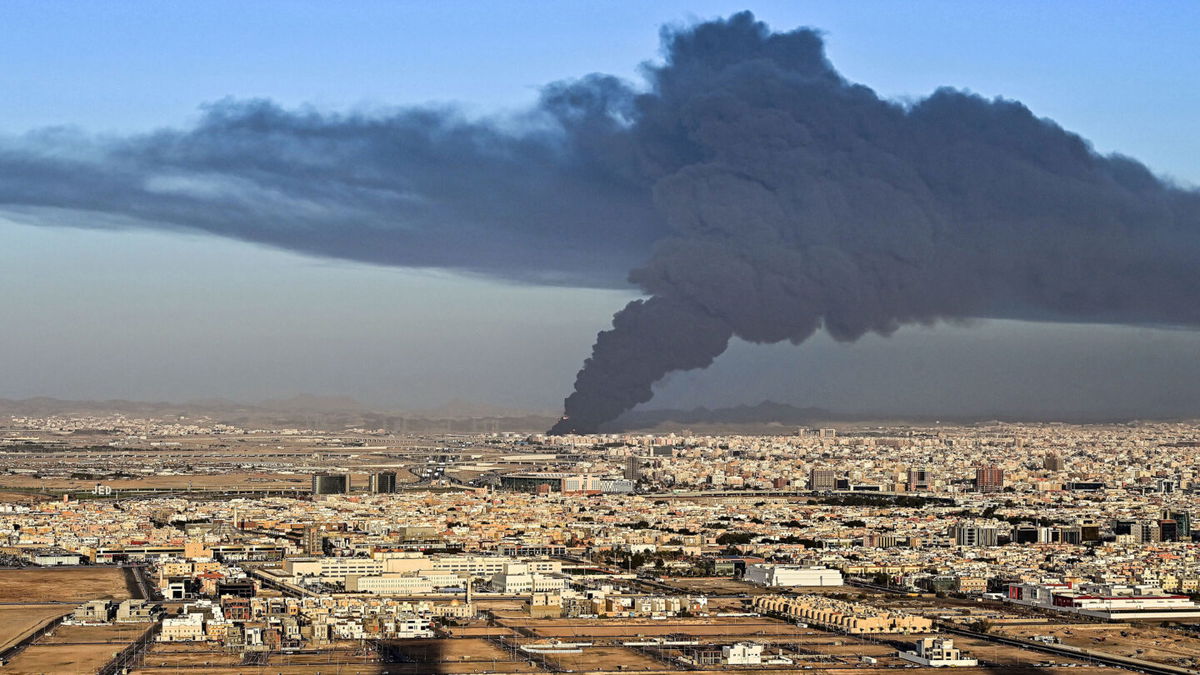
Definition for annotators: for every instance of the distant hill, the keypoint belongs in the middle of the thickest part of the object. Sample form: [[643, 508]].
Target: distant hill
[[335, 413], [307, 411], [459, 409], [767, 412], [314, 404]]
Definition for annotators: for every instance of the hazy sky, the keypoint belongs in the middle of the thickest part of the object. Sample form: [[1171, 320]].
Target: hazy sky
[[155, 315]]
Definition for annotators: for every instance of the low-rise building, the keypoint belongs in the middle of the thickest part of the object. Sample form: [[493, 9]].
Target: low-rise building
[[937, 652], [766, 574]]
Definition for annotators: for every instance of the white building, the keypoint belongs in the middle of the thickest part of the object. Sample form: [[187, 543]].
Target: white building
[[56, 558], [742, 654], [765, 574], [1106, 601], [332, 569], [185, 628], [937, 652], [475, 567], [518, 578], [402, 584]]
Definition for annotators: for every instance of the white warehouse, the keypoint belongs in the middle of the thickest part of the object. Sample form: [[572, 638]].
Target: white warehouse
[[765, 574]]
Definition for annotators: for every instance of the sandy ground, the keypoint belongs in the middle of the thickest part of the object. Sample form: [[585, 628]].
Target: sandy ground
[[117, 633], [66, 584], [18, 621], [1139, 641], [606, 658], [718, 586], [37, 659], [74, 649]]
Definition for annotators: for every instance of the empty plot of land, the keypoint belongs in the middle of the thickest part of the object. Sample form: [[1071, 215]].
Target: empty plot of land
[[63, 584], [20, 621], [1137, 641], [715, 586], [1004, 656], [453, 656], [191, 659], [118, 632], [605, 658], [39, 658], [849, 648]]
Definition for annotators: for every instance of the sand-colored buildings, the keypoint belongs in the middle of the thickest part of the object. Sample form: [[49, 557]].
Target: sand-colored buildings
[[841, 616]]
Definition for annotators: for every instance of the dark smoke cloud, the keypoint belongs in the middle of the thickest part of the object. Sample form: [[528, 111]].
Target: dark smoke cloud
[[752, 189], [550, 196], [799, 201]]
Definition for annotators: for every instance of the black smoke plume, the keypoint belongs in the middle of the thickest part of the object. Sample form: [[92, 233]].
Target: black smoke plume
[[752, 189], [547, 196], [797, 201]]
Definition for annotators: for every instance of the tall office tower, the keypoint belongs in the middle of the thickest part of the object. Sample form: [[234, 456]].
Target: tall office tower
[[1146, 532], [969, 535], [314, 540], [1183, 521], [383, 482], [989, 479], [633, 468], [1089, 529], [330, 484], [1168, 530], [1053, 462], [827, 433], [1029, 533], [919, 478], [822, 479]]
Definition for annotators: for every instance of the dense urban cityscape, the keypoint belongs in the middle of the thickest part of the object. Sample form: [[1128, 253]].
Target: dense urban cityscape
[[140, 544], [426, 337]]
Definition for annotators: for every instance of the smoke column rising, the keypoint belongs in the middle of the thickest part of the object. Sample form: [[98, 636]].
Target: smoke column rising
[[797, 201], [753, 191]]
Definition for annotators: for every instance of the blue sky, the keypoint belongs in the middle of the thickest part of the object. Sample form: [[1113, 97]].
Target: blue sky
[[97, 314]]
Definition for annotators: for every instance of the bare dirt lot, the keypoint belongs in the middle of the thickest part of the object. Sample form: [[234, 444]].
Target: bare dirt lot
[[605, 658], [63, 584], [454, 656], [74, 649], [1138, 641], [19, 621], [37, 659], [123, 633], [715, 586]]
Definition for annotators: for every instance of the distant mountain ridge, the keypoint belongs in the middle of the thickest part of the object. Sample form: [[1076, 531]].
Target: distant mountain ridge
[[766, 412], [306, 403], [341, 412]]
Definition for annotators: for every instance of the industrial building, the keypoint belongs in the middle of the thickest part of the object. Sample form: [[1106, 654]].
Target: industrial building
[[1106, 601], [550, 482], [765, 574]]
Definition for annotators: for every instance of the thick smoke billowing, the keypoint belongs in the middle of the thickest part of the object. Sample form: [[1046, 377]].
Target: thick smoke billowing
[[548, 196], [753, 190], [797, 200]]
